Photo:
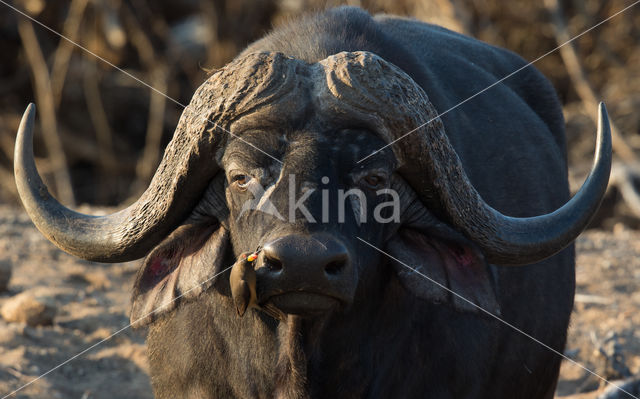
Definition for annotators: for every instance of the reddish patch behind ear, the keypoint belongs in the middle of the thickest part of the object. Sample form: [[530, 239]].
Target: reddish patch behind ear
[[456, 265], [182, 266]]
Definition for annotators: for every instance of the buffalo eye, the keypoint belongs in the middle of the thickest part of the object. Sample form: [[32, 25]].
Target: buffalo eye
[[240, 181], [373, 181]]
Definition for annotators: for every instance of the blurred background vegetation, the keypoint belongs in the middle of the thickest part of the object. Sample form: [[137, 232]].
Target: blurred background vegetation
[[101, 133]]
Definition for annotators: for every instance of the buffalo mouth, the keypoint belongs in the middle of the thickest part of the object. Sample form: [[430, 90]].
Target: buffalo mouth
[[304, 302]]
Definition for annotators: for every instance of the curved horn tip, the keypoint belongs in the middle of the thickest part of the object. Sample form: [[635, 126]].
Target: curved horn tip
[[29, 117], [123, 236], [25, 129], [602, 106], [29, 113], [603, 135], [603, 115]]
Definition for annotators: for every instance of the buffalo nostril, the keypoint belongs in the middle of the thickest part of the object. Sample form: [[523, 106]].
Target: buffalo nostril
[[272, 257], [296, 255], [274, 265], [335, 267]]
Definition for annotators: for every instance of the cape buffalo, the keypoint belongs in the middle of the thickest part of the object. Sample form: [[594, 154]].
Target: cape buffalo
[[263, 160]]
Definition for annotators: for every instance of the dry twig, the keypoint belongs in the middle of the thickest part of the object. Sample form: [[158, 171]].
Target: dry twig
[[625, 174], [44, 99], [63, 53], [104, 137], [452, 14], [158, 73]]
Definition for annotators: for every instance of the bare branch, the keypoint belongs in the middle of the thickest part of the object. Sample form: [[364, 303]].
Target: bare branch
[[581, 82], [44, 99], [65, 48], [625, 177], [8, 182], [451, 14], [104, 136], [158, 72]]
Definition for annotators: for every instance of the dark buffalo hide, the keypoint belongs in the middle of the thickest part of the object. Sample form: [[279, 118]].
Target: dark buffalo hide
[[402, 336], [397, 277]]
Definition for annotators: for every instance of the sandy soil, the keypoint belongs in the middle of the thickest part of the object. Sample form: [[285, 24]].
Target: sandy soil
[[91, 303], [606, 314]]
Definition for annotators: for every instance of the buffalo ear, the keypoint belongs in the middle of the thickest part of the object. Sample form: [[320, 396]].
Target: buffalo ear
[[452, 263], [179, 268]]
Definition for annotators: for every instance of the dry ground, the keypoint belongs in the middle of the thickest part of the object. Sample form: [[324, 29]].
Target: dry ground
[[92, 302]]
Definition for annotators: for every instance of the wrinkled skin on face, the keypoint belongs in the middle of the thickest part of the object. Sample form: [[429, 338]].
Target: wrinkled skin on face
[[292, 184], [309, 158], [292, 339], [326, 280], [325, 162]]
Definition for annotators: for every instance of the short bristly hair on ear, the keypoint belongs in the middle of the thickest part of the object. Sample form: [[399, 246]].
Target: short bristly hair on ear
[[187, 262], [182, 267], [436, 263]]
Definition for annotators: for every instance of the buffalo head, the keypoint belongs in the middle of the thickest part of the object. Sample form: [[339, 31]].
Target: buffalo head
[[269, 154]]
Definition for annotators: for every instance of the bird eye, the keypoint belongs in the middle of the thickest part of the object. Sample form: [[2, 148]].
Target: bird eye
[[241, 181]]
